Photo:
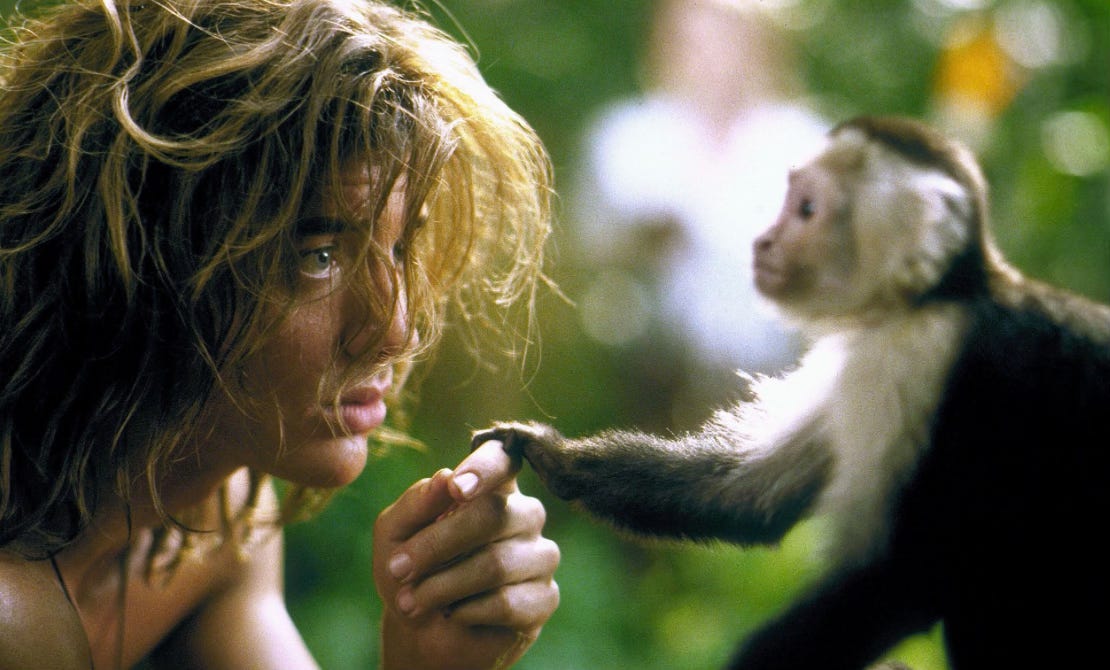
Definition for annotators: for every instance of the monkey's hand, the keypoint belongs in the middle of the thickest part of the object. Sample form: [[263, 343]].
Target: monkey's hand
[[552, 456]]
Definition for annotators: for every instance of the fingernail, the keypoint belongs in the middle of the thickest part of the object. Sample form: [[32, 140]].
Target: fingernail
[[405, 601], [467, 483], [400, 566]]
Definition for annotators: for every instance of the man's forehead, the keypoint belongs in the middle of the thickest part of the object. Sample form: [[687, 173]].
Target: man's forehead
[[355, 191]]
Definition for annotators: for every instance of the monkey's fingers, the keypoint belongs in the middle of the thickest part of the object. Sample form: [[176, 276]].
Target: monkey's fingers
[[480, 437], [512, 436]]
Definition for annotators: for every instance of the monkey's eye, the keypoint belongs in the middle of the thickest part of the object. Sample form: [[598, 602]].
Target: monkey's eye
[[806, 209]]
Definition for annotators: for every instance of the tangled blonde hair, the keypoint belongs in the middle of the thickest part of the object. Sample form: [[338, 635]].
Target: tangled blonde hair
[[155, 159]]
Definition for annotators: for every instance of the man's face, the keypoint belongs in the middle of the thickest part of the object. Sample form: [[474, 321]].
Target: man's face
[[291, 427]]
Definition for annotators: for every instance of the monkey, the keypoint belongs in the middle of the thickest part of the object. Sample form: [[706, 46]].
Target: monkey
[[950, 417]]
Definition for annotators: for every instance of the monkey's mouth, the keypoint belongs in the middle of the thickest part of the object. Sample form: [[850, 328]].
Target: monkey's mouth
[[767, 276]]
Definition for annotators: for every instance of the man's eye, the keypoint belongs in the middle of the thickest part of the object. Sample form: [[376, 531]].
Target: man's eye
[[400, 250], [319, 262]]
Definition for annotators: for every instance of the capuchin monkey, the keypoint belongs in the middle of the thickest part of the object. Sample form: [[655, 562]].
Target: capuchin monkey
[[951, 417]]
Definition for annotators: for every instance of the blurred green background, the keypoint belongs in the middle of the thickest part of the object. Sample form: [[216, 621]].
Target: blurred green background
[[1035, 75]]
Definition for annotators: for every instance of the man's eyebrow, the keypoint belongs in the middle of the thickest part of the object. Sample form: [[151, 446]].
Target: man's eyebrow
[[320, 225]]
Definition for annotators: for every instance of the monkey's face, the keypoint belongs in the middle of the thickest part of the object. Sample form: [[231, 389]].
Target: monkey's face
[[808, 255], [863, 231]]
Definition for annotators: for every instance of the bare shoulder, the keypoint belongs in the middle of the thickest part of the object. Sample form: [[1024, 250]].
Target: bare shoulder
[[39, 627]]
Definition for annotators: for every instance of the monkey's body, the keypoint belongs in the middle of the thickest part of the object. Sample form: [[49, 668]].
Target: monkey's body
[[952, 417], [997, 531]]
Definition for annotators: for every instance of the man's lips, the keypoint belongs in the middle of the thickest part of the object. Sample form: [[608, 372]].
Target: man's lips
[[362, 409], [364, 395]]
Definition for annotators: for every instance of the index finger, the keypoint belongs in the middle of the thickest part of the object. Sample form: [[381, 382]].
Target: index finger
[[486, 468], [417, 507]]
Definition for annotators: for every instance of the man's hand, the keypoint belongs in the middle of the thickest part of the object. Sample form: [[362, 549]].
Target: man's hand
[[462, 567]]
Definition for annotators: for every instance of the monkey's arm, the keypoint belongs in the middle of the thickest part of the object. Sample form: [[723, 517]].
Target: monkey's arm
[[700, 486]]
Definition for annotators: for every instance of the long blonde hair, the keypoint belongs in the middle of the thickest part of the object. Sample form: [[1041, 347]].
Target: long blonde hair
[[155, 158]]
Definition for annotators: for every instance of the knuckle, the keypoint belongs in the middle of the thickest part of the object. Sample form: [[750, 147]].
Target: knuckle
[[497, 509], [550, 549], [503, 604], [429, 544], [552, 600], [381, 521], [531, 512], [500, 564]]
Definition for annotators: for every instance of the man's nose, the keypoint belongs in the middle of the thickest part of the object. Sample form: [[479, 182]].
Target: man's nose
[[389, 331]]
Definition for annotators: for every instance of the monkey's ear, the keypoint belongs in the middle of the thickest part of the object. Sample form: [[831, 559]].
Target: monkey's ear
[[945, 226]]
